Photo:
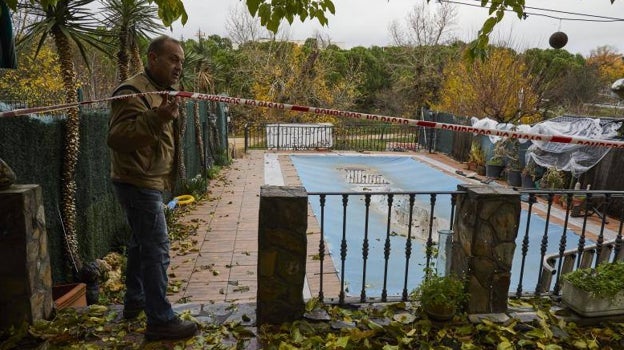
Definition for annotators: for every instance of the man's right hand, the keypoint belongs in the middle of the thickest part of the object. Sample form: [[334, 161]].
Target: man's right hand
[[169, 108]]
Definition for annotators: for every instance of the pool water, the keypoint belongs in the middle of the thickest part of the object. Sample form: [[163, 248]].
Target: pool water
[[348, 173]]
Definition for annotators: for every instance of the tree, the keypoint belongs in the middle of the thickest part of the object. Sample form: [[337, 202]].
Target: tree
[[424, 27], [130, 21], [198, 76], [563, 80], [610, 64], [288, 73], [36, 81], [242, 27], [71, 25], [500, 88], [271, 14], [375, 75]]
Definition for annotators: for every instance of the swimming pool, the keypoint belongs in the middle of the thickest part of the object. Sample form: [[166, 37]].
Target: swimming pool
[[334, 172]]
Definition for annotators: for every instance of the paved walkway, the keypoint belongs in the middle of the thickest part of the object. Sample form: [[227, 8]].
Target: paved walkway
[[222, 267]]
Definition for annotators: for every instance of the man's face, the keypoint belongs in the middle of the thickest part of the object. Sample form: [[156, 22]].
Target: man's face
[[166, 66]]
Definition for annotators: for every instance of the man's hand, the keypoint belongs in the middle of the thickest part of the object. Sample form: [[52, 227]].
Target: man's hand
[[169, 108]]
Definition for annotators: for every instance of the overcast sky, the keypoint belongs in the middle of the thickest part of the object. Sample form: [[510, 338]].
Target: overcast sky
[[365, 22]]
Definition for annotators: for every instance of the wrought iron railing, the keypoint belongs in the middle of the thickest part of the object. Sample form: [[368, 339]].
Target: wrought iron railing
[[587, 223], [608, 243], [403, 214]]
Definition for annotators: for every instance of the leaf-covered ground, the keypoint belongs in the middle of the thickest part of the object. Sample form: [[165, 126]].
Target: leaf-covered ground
[[379, 326]]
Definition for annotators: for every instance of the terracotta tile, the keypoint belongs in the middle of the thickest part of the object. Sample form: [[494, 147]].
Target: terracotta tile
[[243, 273], [214, 259], [217, 247], [250, 245], [241, 290], [244, 257]]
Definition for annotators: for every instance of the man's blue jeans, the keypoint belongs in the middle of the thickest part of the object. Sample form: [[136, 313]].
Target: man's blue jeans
[[147, 252]]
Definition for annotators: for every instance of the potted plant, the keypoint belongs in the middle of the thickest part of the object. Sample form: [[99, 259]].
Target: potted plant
[[514, 168], [529, 174], [440, 297], [596, 291], [476, 157], [553, 179], [494, 166], [578, 205]]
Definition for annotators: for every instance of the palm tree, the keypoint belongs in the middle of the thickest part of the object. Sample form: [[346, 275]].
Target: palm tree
[[131, 21], [71, 26], [200, 66]]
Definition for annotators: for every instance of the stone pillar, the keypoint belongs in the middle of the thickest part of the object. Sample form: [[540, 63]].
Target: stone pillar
[[282, 247], [25, 272], [486, 226]]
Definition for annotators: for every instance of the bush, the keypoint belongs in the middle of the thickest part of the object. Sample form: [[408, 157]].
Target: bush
[[606, 280]]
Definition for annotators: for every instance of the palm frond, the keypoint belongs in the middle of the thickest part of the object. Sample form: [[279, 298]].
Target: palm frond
[[73, 18]]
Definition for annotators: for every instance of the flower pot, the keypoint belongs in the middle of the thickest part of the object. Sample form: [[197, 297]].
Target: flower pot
[[527, 182], [493, 171], [440, 312], [69, 295], [514, 178], [588, 305], [481, 170], [578, 206]]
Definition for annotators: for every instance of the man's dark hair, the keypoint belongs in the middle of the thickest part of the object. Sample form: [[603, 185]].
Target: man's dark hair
[[157, 44]]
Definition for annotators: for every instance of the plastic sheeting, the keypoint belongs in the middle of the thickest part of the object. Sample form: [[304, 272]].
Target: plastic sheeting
[[618, 87], [574, 158]]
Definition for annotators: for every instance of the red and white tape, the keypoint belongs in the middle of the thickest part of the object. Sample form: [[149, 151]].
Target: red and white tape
[[343, 114]]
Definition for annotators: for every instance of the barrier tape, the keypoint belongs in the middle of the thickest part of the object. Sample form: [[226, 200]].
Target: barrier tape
[[26, 111], [339, 113]]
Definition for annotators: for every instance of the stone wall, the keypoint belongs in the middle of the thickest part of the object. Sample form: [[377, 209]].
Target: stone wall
[[25, 272], [282, 247], [486, 225]]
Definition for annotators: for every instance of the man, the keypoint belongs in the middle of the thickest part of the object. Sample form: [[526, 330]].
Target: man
[[142, 141]]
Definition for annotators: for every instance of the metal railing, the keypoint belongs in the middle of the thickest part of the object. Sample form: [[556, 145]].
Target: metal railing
[[369, 137], [554, 258], [607, 247], [404, 214]]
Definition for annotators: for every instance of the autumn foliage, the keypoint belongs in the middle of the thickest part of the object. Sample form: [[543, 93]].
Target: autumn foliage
[[500, 88]]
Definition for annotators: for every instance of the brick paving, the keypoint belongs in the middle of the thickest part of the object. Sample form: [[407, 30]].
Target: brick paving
[[222, 267]]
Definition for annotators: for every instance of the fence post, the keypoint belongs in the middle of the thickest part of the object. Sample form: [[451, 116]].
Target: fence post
[[486, 226], [246, 137], [25, 272], [282, 247]]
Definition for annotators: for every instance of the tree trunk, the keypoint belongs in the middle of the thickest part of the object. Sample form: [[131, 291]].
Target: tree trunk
[[136, 63], [72, 146], [122, 55], [198, 133]]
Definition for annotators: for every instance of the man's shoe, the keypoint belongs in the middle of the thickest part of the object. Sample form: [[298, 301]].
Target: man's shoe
[[132, 312], [174, 329]]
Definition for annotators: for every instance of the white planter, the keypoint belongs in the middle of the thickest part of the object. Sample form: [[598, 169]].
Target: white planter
[[590, 306]]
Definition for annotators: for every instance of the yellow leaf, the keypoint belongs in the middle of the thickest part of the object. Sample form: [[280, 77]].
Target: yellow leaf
[[505, 345]]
